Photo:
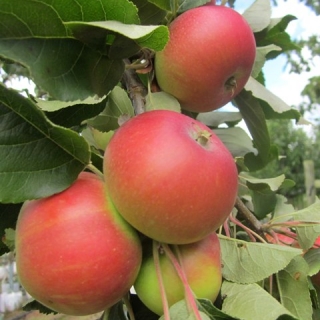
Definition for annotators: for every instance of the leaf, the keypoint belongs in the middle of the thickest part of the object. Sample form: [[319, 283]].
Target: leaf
[[152, 37], [65, 68], [35, 305], [258, 15], [180, 311], [273, 104], [56, 105], [312, 257], [308, 233], [161, 101], [261, 54], [116, 312], [291, 280], [272, 184], [282, 208], [71, 114], [96, 138], [276, 35], [185, 5], [149, 13], [20, 19], [236, 140], [214, 119], [250, 262], [214, 313], [251, 302], [254, 118], [9, 238], [163, 4], [38, 158], [8, 218], [118, 105]]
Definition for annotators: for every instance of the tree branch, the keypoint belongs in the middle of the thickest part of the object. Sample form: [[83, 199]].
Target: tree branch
[[136, 89], [245, 213]]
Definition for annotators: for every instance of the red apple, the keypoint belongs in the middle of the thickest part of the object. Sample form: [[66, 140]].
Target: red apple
[[201, 262], [170, 176], [74, 253], [208, 58]]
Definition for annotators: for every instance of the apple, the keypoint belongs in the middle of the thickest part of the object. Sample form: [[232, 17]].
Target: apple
[[170, 176], [74, 253], [201, 262], [208, 58]]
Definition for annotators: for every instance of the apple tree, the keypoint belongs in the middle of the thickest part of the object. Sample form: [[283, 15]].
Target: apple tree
[[99, 66]]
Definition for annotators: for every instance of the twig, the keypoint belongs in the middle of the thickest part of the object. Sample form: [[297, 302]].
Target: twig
[[249, 217], [136, 89]]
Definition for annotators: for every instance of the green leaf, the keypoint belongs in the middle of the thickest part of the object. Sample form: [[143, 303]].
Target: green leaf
[[65, 68], [216, 118], [161, 101], [96, 138], [149, 13], [56, 105], [71, 114], [116, 312], [251, 302], [250, 262], [309, 232], [163, 4], [180, 311], [38, 158], [214, 313], [152, 37], [282, 208], [118, 105], [312, 257], [254, 118], [273, 105], [272, 184], [292, 280], [9, 238], [20, 19], [8, 218], [236, 140], [35, 305], [185, 5], [258, 15], [261, 57], [276, 35]]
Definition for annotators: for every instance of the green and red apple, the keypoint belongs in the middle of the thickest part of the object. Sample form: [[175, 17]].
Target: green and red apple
[[170, 176], [201, 262], [75, 254], [208, 58]]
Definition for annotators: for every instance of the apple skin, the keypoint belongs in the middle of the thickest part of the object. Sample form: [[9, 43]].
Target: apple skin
[[201, 262], [74, 252], [208, 46], [169, 181]]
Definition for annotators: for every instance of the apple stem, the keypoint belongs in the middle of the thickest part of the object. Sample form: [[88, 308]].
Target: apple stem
[[156, 259], [95, 170], [190, 299], [129, 307]]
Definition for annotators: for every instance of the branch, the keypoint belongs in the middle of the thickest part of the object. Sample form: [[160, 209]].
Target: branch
[[249, 217], [136, 89]]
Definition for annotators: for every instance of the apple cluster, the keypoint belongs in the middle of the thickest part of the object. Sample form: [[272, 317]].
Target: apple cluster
[[167, 178]]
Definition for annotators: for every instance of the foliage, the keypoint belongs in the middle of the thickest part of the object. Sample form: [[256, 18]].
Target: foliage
[[92, 65]]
